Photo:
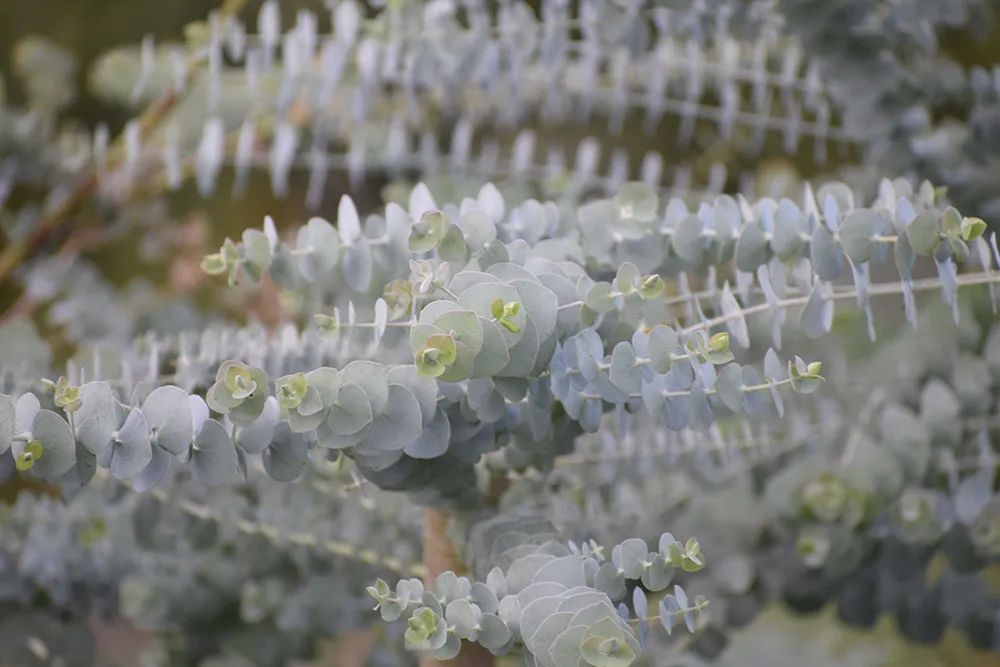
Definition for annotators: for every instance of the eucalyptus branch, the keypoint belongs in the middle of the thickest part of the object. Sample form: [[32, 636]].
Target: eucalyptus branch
[[918, 285]]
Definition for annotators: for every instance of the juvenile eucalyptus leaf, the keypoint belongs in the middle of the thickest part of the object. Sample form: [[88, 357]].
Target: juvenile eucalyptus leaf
[[624, 372], [667, 613], [663, 342], [97, 419], [826, 254], [464, 617], [774, 372], [257, 435], [483, 298], [637, 200], [595, 219], [213, 458], [904, 256], [449, 648], [972, 496], [630, 556], [600, 298], [627, 278], [713, 349], [923, 233], [25, 409], [640, 604], [755, 402], [701, 415], [736, 322], [453, 247], [689, 239], [154, 472], [358, 266], [493, 632], [856, 234], [676, 412], [972, 228], [729, 386], [478, 228], [658, 575], [285, 456], [283, 268], [433, 439], [321, 244], [352, 411], [951, 222], [7, 421], [370, 377], [80, 474], [400, 423], [239, 391], [752, 249], [59, 448], [348, 222], [428, 231], [958, 248], [168, 413], [465, 327], [788, 230], [462, 367], [257, 253], [817, 316], [131, 451]]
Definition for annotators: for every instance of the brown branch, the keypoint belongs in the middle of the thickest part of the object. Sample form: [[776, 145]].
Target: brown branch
[[440, 556], [51, 222]]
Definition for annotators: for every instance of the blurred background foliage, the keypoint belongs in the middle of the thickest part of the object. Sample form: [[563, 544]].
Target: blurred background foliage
[[88, 28]]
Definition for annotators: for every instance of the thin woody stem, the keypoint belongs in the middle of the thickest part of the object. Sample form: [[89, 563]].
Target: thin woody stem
[[874, 290], [50, 223], [440, 556]]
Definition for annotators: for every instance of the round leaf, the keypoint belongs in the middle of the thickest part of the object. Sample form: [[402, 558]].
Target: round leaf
[[168, 414], [286, 455], [856, 234], [213, 458], [131, 450], [924, 234], [256, 436], [97, 418], [400, 423], [57, 439]]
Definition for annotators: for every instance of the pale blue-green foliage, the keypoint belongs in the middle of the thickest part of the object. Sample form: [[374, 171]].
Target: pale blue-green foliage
[[485, 335], [861, 490], [512, 324], [165, 562], [728, 516], [671, 62], [556, 600], [895, 113], [519, 316]]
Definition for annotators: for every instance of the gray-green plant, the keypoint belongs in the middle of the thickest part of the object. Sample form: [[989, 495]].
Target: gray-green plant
[[569, 343]]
